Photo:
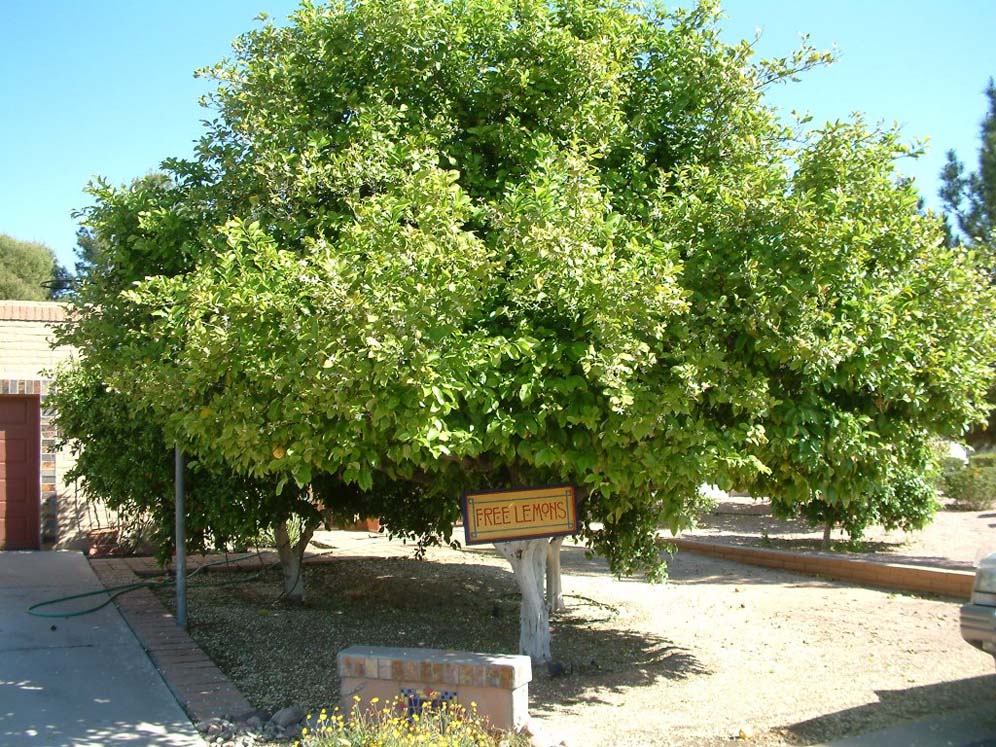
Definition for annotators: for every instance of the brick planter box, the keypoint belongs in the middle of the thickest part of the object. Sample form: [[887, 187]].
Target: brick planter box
[[499, 685]]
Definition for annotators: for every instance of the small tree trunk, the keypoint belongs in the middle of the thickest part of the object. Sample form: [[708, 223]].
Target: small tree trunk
[[292, 559], [528, 561], [554, 591], [827, 529]]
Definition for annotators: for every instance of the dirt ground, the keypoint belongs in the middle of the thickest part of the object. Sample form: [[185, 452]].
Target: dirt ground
[[722, 648], [717, 651], [785, 658], [789, 659]]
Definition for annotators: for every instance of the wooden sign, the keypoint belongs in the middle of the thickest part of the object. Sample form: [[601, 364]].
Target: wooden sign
[[519, 513]]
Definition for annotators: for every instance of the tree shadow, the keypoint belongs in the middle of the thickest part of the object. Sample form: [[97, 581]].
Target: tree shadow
[[406, 602], [866, 550], [930, 561], [754, 524], [811, 544], [594, 662], [595, 654], [989, 516], [907, 704]]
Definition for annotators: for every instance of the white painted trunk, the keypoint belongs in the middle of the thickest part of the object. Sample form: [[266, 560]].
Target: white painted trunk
[[291, 561], [554, 591], [528, 561]]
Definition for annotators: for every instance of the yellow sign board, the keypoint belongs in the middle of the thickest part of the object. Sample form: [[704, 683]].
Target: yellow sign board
[[519, 513]]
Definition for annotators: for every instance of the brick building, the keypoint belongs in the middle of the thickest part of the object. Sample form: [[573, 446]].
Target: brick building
[[38, 509]]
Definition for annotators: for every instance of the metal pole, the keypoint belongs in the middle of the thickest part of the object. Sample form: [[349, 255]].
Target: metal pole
[[181, 544]]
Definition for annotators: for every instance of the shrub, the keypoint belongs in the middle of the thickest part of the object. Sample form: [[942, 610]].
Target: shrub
[[948, 465], [906, 501], [973, 487], [447, 725], [984, 459]]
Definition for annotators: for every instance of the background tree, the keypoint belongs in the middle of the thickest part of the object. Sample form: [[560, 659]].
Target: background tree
[[508, 243], [907, 501], [29, 271], [969, 200], [969, 204]]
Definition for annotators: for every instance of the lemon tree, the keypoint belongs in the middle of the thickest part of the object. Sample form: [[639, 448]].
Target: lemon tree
[[493, 243]]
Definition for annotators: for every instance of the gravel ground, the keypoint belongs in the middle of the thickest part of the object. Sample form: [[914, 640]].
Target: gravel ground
[[719, 650]]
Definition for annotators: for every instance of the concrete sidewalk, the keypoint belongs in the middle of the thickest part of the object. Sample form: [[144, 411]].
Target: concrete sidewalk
[[76, 682]]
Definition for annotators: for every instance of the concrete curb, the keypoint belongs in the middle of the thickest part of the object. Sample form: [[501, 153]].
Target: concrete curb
[[898, 576], [196, 682]]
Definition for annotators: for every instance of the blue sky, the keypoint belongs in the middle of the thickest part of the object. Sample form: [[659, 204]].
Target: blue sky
[[106, 87]]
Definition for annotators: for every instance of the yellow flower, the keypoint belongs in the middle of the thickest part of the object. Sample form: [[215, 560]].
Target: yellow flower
[[374, 700]]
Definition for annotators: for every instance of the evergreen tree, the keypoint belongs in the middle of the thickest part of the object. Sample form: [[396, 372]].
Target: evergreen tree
[[970, 199]]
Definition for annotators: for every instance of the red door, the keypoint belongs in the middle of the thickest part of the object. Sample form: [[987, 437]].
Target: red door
[[20, 452]]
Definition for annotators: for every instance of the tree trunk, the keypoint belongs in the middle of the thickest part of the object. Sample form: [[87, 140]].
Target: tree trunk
[[292, 559], [554, 591], [528, 561], [827, 529]]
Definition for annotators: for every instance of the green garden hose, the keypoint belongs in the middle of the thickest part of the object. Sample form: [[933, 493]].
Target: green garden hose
[[115, 591]]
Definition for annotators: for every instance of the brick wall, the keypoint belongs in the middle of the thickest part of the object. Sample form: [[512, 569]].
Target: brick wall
[[25, 335], [26, 358]]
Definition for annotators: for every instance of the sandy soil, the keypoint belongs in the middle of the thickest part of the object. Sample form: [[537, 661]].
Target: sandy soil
[[786, 658], [722, 649]]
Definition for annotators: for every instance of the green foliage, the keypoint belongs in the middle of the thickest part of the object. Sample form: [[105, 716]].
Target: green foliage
[[983, 459], [908, 501], [125, 455], [970, 199], [969, 202], [505, 243], [973, 486], [123, 461], [947, 466], [29, 271]]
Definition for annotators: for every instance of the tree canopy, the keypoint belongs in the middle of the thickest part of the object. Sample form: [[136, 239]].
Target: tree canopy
[[504, 243], [124, 457], [29, 271]]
